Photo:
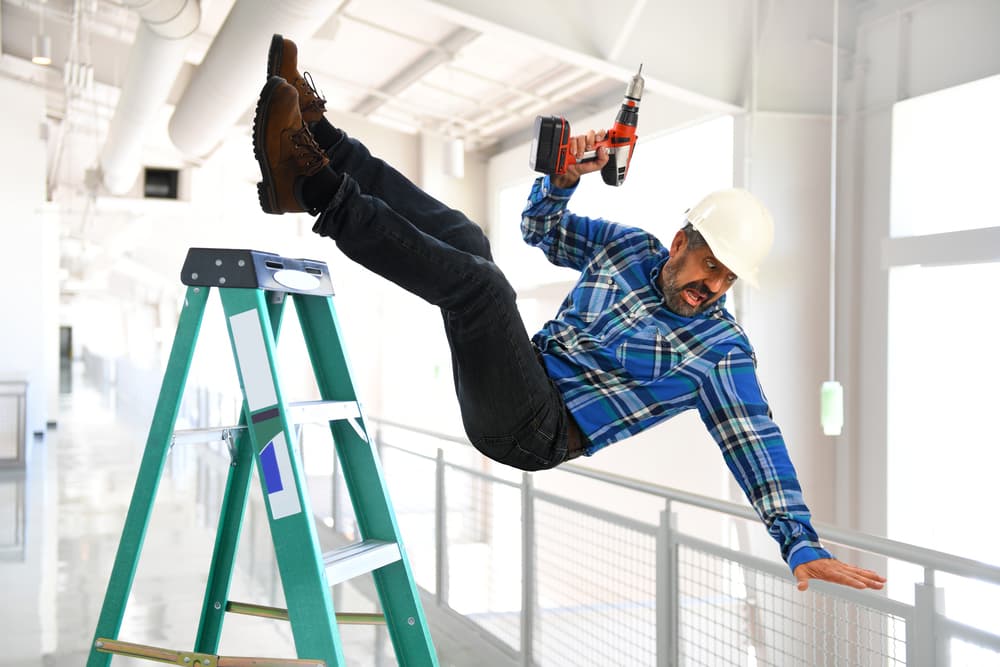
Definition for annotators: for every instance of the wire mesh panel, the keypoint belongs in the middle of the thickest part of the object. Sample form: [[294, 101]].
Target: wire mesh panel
[[596, 588], [736, 614], [484, 553]]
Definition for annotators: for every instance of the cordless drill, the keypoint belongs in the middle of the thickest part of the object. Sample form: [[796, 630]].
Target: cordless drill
[[550, 152]]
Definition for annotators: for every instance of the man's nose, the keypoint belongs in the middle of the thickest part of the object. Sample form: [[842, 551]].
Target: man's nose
[[714, 283]]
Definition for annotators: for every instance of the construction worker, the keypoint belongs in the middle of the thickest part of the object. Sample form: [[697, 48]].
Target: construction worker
[[643, 335]]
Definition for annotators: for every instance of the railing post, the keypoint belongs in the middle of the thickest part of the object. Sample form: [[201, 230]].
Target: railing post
[[923, 646], [528, 591], [667, 592], [441, 531]]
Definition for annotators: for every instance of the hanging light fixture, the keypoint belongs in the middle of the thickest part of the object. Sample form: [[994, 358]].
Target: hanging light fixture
[[41, 49], [454, 157], [832, 392], [41, 44]]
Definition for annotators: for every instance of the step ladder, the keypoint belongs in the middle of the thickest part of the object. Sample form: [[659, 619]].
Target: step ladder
[[253, 287]]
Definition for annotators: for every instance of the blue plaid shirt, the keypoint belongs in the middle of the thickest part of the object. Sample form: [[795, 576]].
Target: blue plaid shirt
[[625, 362]]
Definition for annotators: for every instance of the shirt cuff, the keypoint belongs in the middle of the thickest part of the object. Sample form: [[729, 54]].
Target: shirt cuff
[[551, 190], [805, 553]]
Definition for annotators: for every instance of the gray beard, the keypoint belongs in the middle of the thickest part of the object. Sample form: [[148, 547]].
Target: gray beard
[[672, 298]]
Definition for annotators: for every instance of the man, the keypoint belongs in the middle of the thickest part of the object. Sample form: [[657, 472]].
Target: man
[[642, 336]]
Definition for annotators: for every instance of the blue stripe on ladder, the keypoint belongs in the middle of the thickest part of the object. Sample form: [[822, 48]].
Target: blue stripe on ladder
[[269, 464]]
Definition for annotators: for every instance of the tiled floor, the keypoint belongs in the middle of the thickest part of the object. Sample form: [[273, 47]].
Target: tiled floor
[[59, 530]]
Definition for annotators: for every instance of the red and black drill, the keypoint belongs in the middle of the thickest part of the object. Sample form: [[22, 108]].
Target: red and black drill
[[550, 152]]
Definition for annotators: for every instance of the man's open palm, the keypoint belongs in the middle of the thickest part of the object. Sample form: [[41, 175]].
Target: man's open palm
[[835, 571]]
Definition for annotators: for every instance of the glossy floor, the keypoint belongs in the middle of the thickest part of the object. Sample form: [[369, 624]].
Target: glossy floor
[[60, 521]]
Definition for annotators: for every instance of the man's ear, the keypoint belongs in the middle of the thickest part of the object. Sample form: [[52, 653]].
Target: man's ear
[[679, 243]]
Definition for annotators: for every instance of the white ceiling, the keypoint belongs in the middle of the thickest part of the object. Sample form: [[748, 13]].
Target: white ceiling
[[480, 70]]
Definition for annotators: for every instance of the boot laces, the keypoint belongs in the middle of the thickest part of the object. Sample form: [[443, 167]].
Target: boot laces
[[316, 101], [305, 149]]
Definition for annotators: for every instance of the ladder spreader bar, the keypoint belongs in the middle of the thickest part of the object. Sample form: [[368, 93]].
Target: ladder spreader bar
[[277, 613], [193, 659]]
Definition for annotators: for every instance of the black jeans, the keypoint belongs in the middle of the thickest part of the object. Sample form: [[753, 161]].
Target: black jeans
[[511, 410]]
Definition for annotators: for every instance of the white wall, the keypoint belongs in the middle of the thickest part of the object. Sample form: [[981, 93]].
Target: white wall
[[29, 335]]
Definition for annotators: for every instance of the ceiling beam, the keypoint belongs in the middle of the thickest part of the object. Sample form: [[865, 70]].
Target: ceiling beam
[[567, 31], [443, 52]]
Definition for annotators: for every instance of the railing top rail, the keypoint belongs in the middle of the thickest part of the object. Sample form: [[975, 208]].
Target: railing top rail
[[928, 558]]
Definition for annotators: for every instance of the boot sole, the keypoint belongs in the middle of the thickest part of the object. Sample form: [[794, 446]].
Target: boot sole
[[274, 55], [265, 189]]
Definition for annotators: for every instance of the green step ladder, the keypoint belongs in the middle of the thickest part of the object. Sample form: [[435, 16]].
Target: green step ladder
[[253, 287]]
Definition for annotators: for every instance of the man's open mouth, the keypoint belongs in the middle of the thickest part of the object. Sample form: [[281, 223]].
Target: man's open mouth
[[694, 297]]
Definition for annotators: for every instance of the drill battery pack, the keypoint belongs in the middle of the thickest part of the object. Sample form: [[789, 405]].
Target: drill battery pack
[[550, 145]]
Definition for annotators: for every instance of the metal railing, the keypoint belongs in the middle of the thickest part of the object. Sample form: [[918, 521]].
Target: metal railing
[[562, 576], [555, 581]]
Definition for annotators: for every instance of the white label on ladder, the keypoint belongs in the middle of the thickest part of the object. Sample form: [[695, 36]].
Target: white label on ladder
[[282, 493], [249, 341]]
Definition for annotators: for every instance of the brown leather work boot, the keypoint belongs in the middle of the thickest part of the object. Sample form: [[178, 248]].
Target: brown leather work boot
[[282, 60], [284, 148]]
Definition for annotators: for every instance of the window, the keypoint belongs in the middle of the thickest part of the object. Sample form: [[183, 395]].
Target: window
[[944, 265], [944, 160]]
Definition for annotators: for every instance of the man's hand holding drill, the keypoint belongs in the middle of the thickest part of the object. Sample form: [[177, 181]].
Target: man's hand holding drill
[[579, 145]]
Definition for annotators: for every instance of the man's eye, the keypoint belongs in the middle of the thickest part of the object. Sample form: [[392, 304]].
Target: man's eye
[[731, 278], [710, 264]]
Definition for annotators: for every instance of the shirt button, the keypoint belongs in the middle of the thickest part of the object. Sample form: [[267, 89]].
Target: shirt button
[[611, 281]]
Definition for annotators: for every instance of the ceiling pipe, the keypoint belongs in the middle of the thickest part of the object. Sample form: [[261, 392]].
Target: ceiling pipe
[[154, 61], [234, 70]]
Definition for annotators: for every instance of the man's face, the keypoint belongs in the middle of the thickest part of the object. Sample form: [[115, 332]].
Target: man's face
[[692, 280]]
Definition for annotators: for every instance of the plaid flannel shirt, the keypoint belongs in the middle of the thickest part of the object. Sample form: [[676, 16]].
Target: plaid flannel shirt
[[625, 362]]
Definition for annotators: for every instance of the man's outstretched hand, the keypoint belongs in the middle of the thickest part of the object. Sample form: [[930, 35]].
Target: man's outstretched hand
[[835, 571]]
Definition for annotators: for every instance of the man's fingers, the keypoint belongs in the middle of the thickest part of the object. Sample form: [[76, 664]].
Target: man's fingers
[[838, 573]]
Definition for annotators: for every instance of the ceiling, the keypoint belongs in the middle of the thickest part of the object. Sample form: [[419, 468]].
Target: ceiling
[[472, 69]]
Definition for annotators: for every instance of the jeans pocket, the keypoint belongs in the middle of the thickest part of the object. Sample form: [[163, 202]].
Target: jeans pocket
[[534, 448]]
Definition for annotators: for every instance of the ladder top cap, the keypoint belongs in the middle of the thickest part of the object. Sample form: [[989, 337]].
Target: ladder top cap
[[253, 269]]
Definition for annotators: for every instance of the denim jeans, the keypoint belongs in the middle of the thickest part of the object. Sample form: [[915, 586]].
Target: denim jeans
[[511, 410]]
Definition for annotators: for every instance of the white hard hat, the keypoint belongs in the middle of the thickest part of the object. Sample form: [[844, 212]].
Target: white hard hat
[[737, 227]]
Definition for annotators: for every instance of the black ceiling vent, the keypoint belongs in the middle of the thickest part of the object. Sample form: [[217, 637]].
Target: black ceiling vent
[[160, 183]]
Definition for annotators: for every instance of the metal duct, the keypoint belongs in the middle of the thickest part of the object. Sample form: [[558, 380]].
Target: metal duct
[[154, 61], [234, 69]]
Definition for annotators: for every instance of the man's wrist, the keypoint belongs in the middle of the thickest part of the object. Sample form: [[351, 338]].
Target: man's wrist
[[564, 181]]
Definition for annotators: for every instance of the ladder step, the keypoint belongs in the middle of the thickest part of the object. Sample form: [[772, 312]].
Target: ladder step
[[359, 558], [307, 412], [301, 412]]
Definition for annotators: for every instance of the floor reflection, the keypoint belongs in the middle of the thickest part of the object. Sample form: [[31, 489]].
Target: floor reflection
[[60, 522]]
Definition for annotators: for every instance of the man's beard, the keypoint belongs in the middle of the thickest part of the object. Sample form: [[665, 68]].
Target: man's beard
[[672, 293]]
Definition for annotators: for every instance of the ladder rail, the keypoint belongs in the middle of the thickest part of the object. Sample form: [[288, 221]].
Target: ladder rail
[[293, 533], [150, 471], [366, 485], [231, 516]]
